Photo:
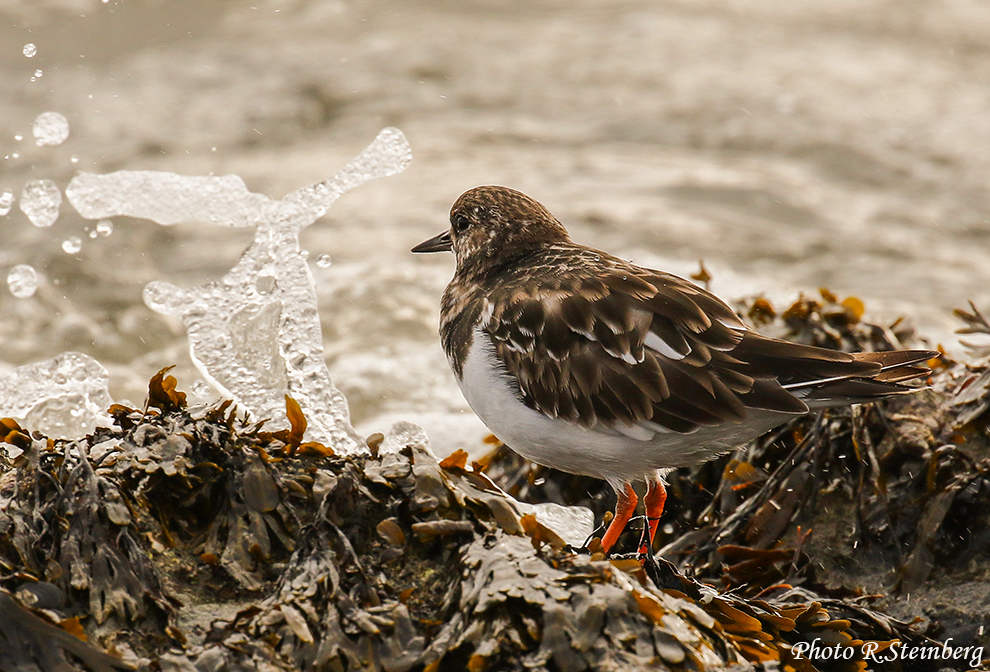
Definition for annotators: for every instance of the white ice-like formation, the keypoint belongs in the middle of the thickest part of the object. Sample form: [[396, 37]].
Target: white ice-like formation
[[50, 128], [22, 281], [41, 201], [63, 397], [6, 202], [72, 245], [167, 198], [256, 333], [104, 228], [574, 524]]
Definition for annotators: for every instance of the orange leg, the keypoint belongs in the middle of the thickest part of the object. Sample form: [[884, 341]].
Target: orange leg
[[656, 497], [624, 508]]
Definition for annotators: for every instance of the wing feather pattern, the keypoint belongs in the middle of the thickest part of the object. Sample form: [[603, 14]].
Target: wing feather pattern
[[632, 346]]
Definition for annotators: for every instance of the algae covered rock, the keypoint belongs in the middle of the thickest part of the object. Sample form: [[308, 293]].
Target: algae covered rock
[[188, 538]]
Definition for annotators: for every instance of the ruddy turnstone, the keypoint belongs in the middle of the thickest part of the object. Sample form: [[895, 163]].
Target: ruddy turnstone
[[592, 365]]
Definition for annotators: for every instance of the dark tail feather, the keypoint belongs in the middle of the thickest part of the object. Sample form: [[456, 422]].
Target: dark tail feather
[[896, 367], [819, 377]]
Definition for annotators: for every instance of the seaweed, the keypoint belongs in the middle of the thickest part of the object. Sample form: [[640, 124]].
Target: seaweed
[[882, 505], [29, 641], [190, 538]]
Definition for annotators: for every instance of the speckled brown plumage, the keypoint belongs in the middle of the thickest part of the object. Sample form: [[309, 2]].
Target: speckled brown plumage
[[594, 342], [569, 324]]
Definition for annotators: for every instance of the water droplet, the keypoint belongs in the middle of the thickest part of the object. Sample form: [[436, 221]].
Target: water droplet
[[37, 74], [30, 50], [74, 159], [324, 261], [6, 203], [18, 137], [104, 227], [93, 235], [72, 245], [50, 128], [40, 201], [22, 281], [200, 388]]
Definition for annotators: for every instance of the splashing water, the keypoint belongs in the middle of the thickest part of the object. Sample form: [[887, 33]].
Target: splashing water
[[167, 198], [63, 397], [200, 388], [72, 245], [40, 201], [49, 128], [103, 229], [255, 335], [22, 281]]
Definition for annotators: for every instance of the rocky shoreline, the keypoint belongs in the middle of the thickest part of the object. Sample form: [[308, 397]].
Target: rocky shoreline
[[187, 538]]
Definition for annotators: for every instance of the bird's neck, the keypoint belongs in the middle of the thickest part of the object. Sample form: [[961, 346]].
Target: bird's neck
[[485, 269]]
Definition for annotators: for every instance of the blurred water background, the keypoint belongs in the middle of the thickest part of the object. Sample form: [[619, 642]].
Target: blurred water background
[[788, 145]]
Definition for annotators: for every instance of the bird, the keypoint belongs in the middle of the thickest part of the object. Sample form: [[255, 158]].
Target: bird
[[592, 365]]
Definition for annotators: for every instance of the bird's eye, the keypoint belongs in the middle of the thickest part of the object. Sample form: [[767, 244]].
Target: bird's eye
[[461, 223]]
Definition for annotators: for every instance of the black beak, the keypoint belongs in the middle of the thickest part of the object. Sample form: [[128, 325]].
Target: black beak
[[441, 243]]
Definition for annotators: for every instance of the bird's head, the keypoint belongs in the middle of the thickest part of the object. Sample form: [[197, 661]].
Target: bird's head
[[491, 225]]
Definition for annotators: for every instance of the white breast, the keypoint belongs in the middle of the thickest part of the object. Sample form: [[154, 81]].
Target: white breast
[[617, 456]]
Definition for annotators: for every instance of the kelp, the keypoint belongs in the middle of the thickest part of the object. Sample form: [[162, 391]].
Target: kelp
[[190, 538], [29, 640], [879, 508]]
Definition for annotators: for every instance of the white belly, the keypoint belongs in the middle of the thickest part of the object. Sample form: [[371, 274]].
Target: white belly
[[576, 449]]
